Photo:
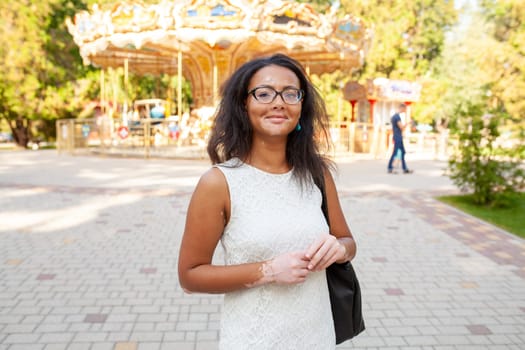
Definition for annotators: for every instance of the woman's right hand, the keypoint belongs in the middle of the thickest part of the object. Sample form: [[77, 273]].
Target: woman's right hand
[[288, 268]]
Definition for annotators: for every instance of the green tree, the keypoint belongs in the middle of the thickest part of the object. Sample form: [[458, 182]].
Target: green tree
[[42, 77], [408, 39], [493, 173], [457, 76], [506, 59], [39, 65], [485, 58], [330, 86], [408, 35], [489, 157]]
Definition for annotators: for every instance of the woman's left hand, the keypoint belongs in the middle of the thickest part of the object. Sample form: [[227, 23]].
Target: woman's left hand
[[324, 252]]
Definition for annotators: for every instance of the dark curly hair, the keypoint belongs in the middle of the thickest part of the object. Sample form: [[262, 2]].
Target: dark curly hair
[[231, 134]]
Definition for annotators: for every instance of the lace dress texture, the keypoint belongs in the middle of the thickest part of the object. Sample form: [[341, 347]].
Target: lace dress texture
[[272, 214]]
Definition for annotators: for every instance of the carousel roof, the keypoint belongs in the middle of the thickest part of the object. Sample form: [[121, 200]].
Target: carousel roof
[[216, 35]]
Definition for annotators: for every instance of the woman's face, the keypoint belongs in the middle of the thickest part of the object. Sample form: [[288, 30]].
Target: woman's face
[[276, 118]]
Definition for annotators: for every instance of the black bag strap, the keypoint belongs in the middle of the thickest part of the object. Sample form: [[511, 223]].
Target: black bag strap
[[319, 181]]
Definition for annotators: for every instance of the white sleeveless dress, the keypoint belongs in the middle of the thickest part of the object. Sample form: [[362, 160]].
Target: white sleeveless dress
[[272, 214]]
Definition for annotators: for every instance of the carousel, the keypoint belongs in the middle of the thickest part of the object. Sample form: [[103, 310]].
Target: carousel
[[205, 41]]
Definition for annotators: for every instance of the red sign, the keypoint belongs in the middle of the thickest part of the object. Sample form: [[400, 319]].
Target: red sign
[[123, 132]]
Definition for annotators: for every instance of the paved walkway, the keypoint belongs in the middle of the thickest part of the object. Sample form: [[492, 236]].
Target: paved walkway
[[88, 256]]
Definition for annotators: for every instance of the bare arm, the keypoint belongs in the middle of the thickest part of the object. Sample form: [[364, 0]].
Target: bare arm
[[400, 125], [339, 245], [208, 213], [338, 225]]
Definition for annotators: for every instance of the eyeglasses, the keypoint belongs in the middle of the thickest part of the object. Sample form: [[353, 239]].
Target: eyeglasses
[[267, 94]]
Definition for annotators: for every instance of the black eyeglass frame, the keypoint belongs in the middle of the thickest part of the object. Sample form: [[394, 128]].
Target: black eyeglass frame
[[300, 93]]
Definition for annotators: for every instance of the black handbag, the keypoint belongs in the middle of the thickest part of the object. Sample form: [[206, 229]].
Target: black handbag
[[345, 300], [345, 294]]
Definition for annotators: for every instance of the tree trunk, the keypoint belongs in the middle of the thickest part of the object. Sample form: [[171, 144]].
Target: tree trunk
[[21, 131]]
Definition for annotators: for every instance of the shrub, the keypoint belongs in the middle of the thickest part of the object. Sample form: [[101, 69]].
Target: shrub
[[491, 171]]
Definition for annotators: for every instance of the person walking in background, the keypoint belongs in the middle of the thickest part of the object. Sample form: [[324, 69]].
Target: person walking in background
[[260, 200], [397, 129]]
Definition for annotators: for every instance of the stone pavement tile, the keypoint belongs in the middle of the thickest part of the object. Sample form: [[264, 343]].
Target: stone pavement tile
[[79, 346], [206, 345], [18, 328], [60, 346], [149, 345], [140, 336], [126, 346], [26, 347], [119, 337], [178, 345], [84, 337], [21, 338], [103, 346], [56, 337]]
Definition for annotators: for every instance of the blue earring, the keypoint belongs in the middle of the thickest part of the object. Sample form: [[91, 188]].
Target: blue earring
[[298, 127]]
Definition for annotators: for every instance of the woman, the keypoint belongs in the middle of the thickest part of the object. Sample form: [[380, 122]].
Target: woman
[[261, 202]]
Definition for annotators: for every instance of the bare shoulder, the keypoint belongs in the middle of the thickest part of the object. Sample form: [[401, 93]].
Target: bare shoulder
[[212, 181], [210, 200], [213, 177]]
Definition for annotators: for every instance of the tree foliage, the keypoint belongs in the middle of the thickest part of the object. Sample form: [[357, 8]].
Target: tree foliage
[[330, 86], [39, 65], [408, 39], [42, 77], [484, 61], [480, 112], [408, 35], [506, 26], [483, 165]]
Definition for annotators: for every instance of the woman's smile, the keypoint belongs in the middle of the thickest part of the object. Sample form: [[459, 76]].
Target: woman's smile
[[277, 118]]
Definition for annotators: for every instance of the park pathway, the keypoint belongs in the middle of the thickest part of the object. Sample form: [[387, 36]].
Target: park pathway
[[88, 258]]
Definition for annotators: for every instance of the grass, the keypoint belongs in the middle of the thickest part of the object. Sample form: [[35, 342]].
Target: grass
[[511, 219]]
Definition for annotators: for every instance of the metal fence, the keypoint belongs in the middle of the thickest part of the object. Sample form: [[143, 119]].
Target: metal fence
[[164, 138], [377, 141], [145, 138]]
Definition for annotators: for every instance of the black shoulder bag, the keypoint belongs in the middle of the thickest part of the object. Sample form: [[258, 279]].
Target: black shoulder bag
[[345, 294]]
